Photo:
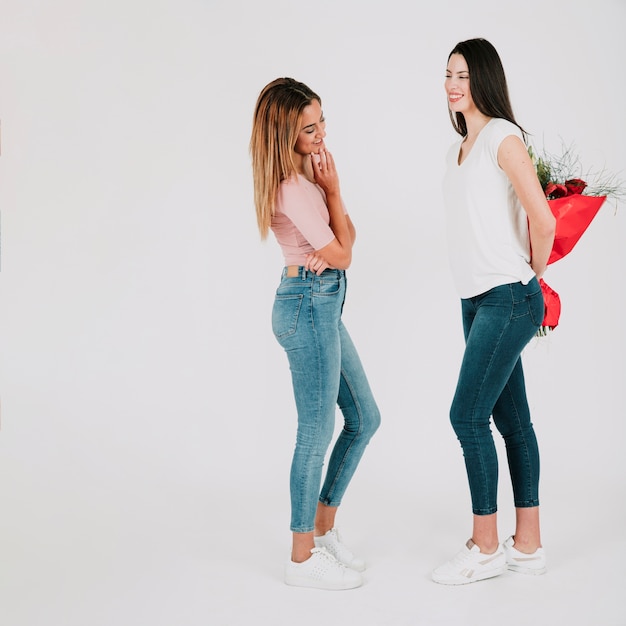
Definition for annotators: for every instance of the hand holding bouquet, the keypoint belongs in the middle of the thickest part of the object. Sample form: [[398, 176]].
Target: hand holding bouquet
[[574, 203]]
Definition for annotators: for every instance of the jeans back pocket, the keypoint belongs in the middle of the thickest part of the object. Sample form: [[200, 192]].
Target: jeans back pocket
[[285, 313], [536, 307]]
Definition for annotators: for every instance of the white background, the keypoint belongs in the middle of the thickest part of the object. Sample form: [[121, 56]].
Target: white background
[[147, 419]]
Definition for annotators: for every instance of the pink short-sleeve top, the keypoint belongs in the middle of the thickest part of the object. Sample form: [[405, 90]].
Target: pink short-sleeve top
[[301, 219]]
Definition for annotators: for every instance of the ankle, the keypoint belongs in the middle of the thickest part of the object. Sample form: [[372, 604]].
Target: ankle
[[324, 519], [486, 547], [527, 547], [300, 556], [301, 546]]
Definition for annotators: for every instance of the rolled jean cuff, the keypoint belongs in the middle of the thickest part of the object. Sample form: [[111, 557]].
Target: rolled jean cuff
[[526, 504], [489, 511], [327, 502], [302, 530]]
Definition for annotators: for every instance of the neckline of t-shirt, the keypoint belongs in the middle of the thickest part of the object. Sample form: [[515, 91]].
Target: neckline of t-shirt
[[469, 154]]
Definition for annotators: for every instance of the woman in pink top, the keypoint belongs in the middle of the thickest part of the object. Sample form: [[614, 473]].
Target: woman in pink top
[[297, 196]]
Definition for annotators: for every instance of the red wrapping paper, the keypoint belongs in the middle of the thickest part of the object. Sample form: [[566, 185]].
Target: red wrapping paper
[[552, 305], [573, 215]]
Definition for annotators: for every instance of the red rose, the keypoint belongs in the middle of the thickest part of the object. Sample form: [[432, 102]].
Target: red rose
[[554, 190], [575, 185]]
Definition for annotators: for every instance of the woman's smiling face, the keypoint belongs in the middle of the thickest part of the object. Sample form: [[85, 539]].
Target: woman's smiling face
[[312, 130], [457, 85]]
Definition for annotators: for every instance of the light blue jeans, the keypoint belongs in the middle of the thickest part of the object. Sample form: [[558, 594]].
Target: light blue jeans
[[326, 372], [498, 324]]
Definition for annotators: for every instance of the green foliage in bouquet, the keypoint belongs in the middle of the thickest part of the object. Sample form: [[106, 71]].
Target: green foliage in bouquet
[[562, 175], [544, 171]]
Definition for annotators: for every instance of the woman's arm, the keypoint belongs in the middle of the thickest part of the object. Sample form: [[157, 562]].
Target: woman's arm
[[514, 159], [316, 261], [351, 229], [338, 253]]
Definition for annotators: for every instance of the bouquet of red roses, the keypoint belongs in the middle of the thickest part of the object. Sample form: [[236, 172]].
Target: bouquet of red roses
[[574, 204]]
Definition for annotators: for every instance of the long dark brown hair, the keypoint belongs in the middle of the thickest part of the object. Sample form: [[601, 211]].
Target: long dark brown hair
[[487, 83]]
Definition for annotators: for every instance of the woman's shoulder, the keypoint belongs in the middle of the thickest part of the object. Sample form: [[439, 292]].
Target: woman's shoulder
[[294, 179], [294, 185], [297, 182], [496, 131], [499, 128], [288, 192], [296, 190]]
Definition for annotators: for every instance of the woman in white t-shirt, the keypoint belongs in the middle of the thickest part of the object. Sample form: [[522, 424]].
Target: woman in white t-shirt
[[297, 196], [500, 234]]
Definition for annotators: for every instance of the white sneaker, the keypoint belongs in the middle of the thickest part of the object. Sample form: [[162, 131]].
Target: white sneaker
[[517, 561], [470, 565], [322, 571], [332, 542]]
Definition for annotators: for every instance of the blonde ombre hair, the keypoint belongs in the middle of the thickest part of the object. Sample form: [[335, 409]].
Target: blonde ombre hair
[[275, 129]]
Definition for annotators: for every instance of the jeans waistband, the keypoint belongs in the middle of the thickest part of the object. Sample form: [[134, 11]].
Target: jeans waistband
[[299, 271]]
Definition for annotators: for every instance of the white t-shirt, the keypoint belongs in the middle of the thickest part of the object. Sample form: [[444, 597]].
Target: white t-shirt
[[488, 240]]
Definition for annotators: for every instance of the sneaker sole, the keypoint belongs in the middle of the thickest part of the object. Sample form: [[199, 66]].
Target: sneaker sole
[[474, 579], [519, 569]]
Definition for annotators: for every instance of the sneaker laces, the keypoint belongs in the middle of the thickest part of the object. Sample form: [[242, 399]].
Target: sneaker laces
[[324, 553], [461, 557], [340, 546]]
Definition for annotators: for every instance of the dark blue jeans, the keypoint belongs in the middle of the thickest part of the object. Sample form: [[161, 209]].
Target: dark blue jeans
[[498, 325]]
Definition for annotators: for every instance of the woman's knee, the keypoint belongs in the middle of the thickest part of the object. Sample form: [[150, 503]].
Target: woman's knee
[[469, 422], [458, 417], [315, 440], [373, 422]]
